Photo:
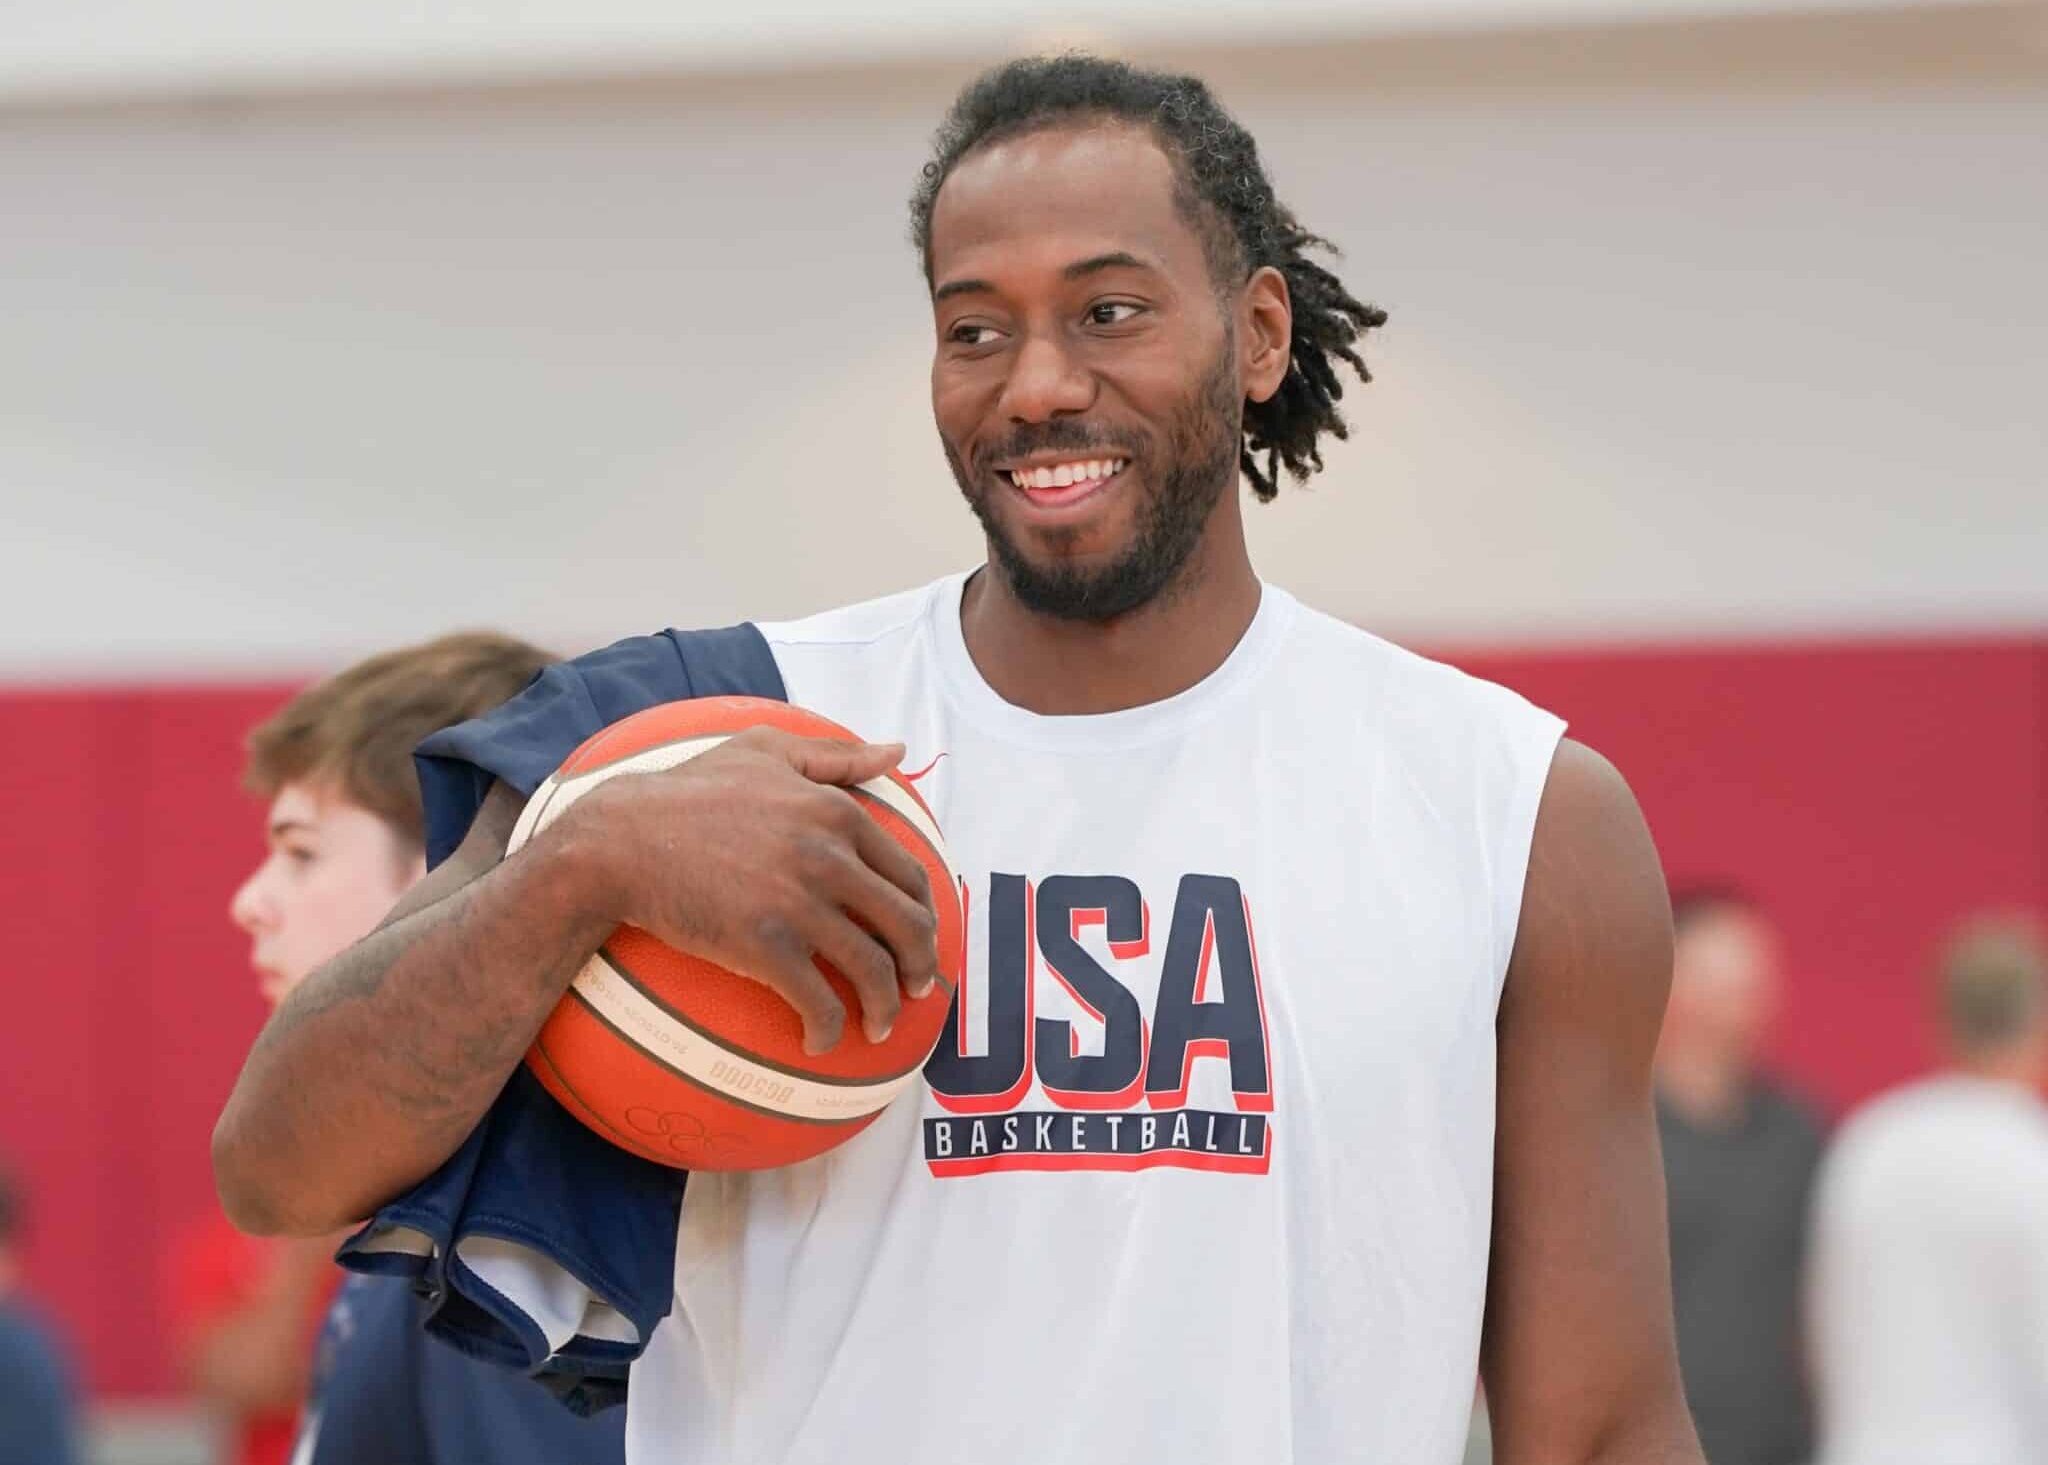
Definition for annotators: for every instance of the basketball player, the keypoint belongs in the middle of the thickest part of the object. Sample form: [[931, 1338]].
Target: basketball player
[[345, 838], [1333, 1083]]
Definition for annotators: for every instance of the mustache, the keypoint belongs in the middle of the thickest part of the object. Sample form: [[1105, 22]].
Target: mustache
[[1056, 437]]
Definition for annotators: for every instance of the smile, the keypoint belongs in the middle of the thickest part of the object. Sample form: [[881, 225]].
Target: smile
[[1059, 484]]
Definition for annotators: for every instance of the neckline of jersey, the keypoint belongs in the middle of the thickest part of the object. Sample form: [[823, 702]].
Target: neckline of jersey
[[1096, 731]]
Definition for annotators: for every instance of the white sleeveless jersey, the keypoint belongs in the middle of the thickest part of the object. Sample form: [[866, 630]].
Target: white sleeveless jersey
[[1202, 1169]]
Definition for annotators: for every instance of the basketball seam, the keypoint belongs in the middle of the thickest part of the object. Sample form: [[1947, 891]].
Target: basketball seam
[[540, 815], [582, 774], [863, 796], [719, 1039], [698, 1083], [597, 741], [697, 737]]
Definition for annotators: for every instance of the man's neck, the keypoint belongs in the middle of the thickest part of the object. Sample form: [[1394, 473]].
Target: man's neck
[[1067, 668], [1709, 1090], [2015, 1068]]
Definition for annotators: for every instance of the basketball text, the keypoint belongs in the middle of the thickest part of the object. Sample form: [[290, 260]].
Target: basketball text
[[1117, 1099]]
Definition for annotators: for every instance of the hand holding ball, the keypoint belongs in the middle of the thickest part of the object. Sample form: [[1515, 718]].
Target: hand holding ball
[[774, 877]]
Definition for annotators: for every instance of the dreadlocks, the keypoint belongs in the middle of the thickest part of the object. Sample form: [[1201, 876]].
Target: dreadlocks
[[1224, 193]]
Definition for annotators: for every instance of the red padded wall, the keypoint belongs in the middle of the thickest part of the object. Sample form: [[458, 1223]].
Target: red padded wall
[[129, 997], [1867, 792]]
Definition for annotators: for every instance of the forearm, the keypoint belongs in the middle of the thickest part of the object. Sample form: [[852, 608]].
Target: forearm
[[378, 1066]]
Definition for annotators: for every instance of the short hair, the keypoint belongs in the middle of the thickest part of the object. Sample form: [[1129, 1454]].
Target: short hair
[[1698, 901], [355, 732], [1224, 194], [1993, 980]]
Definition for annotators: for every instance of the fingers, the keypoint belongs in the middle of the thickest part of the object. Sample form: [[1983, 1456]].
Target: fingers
[[901, 921], [881, 852], [865, 964], [854, 898], [791, 972], [826, 760]]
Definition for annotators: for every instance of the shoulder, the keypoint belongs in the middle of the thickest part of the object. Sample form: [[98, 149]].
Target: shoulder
[[869, 666], [1789, 1113], [1591, 839], [1404, 682], [1878, 1130], [1593, 947], [1463, 760], [525, 739], [1943, 1122], [1420, 720], [869, 622]]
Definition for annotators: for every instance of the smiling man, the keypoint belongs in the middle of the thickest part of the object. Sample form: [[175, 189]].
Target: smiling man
[[1301, 1067]]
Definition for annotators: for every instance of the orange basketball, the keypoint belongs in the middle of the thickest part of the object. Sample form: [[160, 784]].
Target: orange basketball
[[688, 1063]]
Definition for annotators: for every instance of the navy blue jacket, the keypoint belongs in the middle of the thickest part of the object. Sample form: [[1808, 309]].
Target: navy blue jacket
[[531, 1174]]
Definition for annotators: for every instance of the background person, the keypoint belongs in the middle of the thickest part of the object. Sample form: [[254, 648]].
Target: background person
[[1740, 1153], [346, 840], [1929, 1301], [38, 1403], [343, 842]]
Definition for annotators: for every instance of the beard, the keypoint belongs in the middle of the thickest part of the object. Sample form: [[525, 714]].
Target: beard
[[1184, 484]]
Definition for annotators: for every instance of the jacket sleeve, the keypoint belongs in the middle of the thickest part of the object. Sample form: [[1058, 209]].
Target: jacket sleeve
[[538, 1245]]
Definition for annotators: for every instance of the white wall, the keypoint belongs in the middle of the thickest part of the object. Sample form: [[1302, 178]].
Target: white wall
[[287, 382], [128, 47]]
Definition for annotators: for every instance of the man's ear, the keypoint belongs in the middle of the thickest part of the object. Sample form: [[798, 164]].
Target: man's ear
[[1265, 333]]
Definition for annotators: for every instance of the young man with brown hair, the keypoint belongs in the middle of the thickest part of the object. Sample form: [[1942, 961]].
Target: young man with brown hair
[[345, 837]]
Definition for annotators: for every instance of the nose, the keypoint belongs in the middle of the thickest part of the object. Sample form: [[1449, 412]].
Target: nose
[[1045, 382], [247, 907]]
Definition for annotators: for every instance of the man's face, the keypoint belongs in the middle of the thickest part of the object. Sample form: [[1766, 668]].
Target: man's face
[[1086, 381], [333, 870], [1724, 982]]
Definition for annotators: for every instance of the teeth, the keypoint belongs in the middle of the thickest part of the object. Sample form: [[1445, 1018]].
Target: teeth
[[1065, 475]]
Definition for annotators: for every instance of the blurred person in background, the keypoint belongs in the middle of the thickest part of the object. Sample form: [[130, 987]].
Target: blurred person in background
[[1740, 1156], [243, 1315], [38, 1405], [335, 765], [1929, 1300], [346, 839]]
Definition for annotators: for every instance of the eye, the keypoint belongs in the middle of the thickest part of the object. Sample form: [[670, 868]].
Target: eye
[[298, 856], [969, 333], [1113, 312]]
